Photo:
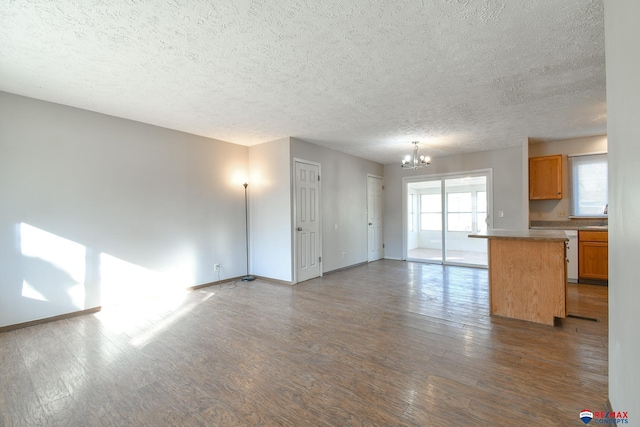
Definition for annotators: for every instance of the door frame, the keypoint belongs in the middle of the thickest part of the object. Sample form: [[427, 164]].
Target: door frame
[[294, 208], [419, 178], [370, 175]]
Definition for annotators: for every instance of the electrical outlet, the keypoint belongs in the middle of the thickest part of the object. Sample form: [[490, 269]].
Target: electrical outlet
[[216, 267]]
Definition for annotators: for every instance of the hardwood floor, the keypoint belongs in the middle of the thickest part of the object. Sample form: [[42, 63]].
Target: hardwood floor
[[388, 343]]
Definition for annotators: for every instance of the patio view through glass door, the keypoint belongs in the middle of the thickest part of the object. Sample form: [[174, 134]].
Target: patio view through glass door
[[441, 213]]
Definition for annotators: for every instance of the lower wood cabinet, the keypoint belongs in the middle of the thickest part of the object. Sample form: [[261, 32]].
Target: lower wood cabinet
[[593, 255]]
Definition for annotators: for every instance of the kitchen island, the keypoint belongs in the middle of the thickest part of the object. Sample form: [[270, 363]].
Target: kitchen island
[[527, 274]]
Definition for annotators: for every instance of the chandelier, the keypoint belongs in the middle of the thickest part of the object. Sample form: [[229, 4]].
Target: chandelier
[[414, 161]]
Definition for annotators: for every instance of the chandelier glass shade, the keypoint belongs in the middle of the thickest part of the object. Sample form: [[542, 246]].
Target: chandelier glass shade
[[415, 161]]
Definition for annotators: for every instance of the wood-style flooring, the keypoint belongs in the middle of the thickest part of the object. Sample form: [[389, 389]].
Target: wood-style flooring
[[390, 343]]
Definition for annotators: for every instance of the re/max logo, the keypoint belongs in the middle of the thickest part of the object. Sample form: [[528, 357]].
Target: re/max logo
[[611, 415]]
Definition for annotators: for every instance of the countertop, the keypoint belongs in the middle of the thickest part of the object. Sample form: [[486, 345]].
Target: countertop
[[575, 224], [529, 234], [574, 227]]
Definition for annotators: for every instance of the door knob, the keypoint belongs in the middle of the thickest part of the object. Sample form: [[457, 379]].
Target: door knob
[[370, 223], [299, 228]]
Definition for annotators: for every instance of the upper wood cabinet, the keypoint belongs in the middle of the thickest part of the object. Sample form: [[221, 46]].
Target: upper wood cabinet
[[545, 177]]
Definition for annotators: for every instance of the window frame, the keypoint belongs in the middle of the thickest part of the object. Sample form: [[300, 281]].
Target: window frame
[[573, 163]]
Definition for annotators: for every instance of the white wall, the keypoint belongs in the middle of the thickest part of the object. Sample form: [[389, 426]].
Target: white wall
[[508, 176], [557, 210], [623, 98], [87, 196], [344, 203], [270, 207]]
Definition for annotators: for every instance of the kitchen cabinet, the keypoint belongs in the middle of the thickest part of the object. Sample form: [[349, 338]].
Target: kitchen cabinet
[[593, 254], [545, 177]]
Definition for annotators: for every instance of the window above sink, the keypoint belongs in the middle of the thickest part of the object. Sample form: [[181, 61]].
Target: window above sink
[[588, 185]]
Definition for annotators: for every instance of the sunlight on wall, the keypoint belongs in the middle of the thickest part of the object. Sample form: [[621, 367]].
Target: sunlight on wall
[[57, 266], [29, 291], [135, 300], [124, 284]]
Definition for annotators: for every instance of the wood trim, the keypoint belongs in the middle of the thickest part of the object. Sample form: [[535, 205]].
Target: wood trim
[[608, 405], [346, 268], [239, 278], [268, 279], [97, 309], [217, 282], [49, 319]]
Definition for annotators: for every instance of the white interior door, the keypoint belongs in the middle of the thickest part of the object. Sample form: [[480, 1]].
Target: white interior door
[[374, 217], [307, 225]]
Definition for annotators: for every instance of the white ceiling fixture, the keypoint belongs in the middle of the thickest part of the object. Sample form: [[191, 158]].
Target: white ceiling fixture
[[415, 161], [355, 76]]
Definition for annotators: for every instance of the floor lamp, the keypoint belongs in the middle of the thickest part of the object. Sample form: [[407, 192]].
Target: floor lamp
[[248, 277]]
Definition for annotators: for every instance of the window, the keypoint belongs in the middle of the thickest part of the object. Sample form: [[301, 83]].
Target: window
[[588, 185], [430, 212], [459, 212]]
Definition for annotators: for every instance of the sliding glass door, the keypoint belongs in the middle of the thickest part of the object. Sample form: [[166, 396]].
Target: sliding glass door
[[441, 212], [425, 221], [466, 212]]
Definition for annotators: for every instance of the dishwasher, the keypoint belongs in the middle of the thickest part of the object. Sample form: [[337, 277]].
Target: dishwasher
[[572, 255]]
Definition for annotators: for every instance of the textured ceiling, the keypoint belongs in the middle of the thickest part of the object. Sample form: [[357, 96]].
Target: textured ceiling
[[365, 77]]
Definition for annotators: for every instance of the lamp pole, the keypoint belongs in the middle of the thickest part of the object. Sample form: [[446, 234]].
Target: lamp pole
[[248, 277]]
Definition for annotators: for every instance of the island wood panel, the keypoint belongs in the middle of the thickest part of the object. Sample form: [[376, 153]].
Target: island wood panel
[[528, 279]]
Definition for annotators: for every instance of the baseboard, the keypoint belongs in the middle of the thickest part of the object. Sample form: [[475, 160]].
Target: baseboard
[[608, 406], [49, 319], [217, 282], [392, 258], [97, 309], [268, 279], [344, 268], [593, 282]]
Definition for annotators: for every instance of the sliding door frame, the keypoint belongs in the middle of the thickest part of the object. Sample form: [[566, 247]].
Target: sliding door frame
[[443, 176]]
